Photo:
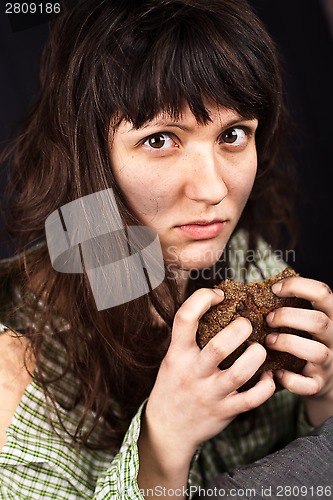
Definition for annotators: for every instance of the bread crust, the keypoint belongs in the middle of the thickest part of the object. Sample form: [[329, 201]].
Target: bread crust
[[253, 301]]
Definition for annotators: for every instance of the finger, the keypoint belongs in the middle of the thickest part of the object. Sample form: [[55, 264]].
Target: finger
[[186, 319], [254, 397], [299, 384], [318, 293], [243, 368], [312, 321], [223, 344], [307, 349]]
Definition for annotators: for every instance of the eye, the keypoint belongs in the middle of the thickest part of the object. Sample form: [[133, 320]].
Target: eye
[[159, 141], [236, 136]]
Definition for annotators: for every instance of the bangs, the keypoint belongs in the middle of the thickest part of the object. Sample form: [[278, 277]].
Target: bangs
[[189, 56]]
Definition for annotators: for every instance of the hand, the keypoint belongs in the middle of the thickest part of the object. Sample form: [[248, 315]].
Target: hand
[[316, 380], [192, 399]]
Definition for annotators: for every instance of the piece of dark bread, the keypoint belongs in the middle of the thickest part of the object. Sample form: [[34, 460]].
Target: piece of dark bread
[[253, 301]]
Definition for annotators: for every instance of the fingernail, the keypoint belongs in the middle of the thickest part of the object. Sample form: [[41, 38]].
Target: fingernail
[[276, 288], [271, 338], [219, 292], [270, 316], [279, 373]]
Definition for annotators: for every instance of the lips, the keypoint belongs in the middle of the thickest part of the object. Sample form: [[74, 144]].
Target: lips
[[201, 222], [201, 230]]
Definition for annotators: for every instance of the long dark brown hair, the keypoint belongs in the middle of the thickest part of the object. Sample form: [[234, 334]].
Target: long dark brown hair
[[106, 61]]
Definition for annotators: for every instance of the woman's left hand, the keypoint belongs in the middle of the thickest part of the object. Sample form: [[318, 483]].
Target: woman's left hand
[[316, 380]]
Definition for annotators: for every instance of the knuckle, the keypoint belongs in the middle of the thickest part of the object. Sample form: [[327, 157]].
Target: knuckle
[[251, 400], [324, 357], [186, 313], [321, 320], [182, 316], [290, 384], [323, 291], [256, 397], [236, 377], [314, 388], [214, 350]]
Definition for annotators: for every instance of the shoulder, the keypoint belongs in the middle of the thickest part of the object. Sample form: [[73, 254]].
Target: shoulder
[[13, 349], [15, 367]]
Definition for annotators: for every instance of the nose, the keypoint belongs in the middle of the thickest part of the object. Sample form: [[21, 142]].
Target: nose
[[204, 180]]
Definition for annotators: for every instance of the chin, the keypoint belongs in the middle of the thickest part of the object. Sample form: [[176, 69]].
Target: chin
[[196, 265], [195, 255], [195, 259]]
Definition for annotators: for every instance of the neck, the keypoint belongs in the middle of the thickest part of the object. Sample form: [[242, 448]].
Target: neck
[[182, 277]]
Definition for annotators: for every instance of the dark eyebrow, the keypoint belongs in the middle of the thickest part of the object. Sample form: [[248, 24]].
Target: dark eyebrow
[[170, 124], [163, 124], [181, 126]]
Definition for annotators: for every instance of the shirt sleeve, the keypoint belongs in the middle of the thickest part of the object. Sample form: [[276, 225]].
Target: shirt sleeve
[[120, 480]]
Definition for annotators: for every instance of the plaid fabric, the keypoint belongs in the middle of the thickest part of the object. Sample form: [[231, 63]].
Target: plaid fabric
[[38, 461]]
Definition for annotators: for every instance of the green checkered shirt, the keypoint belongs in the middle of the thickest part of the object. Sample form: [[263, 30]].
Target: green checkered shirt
[[38, 461]]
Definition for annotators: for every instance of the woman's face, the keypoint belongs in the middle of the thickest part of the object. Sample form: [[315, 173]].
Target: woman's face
[[187, 181]]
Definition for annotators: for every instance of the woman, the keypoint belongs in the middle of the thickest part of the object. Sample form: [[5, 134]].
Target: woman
[[176, 106]]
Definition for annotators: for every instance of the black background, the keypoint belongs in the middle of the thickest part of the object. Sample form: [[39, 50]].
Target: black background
[[302, 34], [301, 31]]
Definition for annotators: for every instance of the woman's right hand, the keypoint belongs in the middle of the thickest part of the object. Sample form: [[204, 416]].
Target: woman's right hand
[[192, 399]]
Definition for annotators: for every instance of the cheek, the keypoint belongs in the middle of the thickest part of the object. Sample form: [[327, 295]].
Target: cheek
[[249, 180], [129, 178], [242, 179], [146, 194], [139, 197]]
